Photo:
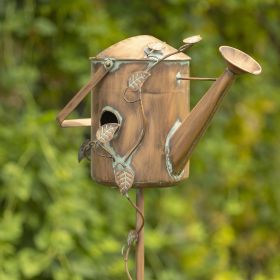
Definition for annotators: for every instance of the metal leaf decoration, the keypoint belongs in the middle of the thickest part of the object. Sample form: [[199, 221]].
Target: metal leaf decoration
[[106, 132], [156, 46], [137, 79], [193, 39], [124, 177]]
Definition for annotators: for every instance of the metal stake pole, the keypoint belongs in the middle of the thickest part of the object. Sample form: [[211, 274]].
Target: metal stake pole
[[140, 244]]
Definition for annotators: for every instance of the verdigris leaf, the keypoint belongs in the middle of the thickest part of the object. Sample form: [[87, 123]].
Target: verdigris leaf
[[106, 132], [124, 177], [137, 79]]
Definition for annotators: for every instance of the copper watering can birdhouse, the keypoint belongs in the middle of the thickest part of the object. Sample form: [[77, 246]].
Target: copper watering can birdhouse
[[143, 132], [142, 129]]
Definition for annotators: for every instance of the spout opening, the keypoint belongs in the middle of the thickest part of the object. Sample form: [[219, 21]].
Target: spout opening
[[240, 62]]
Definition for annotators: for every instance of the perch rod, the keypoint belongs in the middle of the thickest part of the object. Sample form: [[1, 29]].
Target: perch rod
[[196, 78], [140, 244]]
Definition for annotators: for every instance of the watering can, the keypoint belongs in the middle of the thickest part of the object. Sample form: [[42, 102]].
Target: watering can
[[142, 129]]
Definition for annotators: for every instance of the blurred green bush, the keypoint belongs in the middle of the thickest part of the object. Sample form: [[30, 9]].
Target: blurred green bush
[[222, 224]]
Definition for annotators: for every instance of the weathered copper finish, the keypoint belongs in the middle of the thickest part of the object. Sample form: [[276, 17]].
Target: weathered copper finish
[[164, 101], [146, 92]]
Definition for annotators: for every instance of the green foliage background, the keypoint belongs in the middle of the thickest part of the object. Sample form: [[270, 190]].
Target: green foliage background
[[55, 223]]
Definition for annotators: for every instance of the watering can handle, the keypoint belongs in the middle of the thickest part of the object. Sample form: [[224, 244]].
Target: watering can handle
[[80, 95]]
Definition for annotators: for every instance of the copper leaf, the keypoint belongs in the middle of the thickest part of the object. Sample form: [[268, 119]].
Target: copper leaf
[[137, 79], [124, 177], [106, 132]]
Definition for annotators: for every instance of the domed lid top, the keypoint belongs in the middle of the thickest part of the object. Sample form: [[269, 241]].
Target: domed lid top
[[140, 47]]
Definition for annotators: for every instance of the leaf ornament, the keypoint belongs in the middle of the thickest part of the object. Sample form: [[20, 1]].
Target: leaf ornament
[[124, 177], [137, 79], [106, 132], [156, 46]]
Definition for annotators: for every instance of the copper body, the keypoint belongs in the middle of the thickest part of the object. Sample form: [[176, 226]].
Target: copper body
[[165, 101]]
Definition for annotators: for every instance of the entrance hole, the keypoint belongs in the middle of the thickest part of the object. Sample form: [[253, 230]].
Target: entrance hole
[[108, 117]]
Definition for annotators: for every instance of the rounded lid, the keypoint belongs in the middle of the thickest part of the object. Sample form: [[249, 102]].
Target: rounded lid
[[141, 47]]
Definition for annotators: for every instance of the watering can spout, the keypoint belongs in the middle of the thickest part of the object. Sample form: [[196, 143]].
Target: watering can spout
[[193, 126]]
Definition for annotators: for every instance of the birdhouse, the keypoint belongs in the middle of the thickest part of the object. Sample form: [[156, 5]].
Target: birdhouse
[[142, 129]]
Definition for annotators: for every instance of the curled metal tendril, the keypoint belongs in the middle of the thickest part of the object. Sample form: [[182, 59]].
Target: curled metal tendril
[[127, 99], [95, 145]]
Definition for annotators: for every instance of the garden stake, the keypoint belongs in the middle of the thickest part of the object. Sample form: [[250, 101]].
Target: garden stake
[[140, 261]]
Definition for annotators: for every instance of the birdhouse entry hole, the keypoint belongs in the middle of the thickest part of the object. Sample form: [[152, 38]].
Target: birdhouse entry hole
[[109, 117]]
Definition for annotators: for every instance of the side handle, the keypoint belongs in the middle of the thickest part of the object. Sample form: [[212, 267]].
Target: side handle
[[80, 95]]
